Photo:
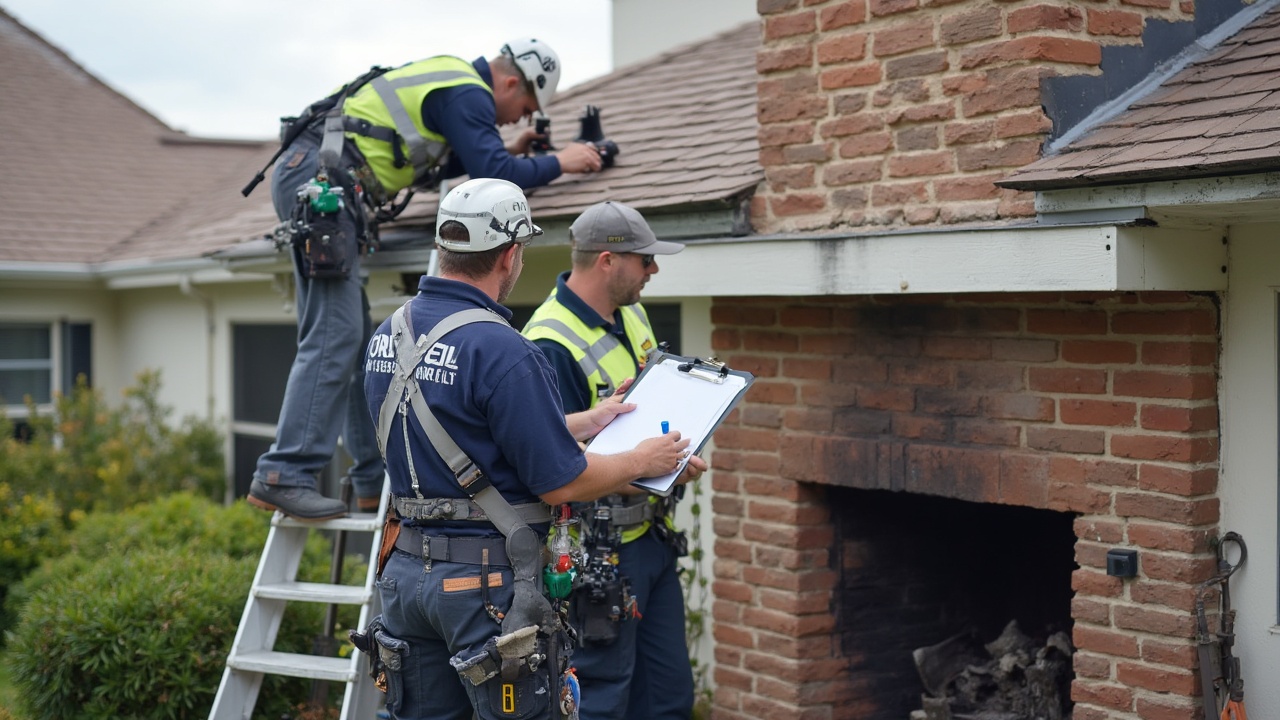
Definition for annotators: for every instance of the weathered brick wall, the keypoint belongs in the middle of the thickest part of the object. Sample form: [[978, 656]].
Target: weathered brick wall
[[1102, 405], [905, 112]]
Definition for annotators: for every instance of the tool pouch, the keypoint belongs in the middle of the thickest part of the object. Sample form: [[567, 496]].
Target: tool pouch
[[598, 611], [386, 659], [508, 678], [390, 532], [324, 248]]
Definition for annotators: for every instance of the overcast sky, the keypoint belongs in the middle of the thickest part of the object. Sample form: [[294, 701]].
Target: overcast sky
[[231, 68]]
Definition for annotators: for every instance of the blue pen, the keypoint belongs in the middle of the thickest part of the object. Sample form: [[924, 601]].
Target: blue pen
[[665, 427]]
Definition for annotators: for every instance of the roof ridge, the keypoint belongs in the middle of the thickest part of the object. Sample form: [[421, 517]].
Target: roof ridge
[[81, 69]]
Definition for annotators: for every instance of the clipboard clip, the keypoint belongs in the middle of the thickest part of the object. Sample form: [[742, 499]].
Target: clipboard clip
[[711, 369]]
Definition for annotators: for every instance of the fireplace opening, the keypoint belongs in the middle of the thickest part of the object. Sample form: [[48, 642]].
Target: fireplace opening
[[918, 570]]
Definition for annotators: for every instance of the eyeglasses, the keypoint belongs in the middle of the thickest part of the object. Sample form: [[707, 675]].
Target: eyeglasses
[[645, 261]]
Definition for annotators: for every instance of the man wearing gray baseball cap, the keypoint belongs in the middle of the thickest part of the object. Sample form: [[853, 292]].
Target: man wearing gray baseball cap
[[596, 335]]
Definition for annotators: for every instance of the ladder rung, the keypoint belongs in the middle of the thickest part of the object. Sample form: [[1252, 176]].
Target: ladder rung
[[356, 522], [314, 592], [293, 665]]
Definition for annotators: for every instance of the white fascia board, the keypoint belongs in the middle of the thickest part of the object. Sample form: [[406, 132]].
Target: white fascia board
[[1260, 189], [1026, 259], [47, 271]]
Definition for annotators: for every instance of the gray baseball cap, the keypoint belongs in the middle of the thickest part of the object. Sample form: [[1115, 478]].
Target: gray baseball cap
[[617, 228]]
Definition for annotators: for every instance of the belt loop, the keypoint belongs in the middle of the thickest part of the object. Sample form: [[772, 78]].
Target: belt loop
[[426, 552]]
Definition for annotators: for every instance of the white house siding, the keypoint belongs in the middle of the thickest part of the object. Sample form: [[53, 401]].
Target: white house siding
[[1249, 467]]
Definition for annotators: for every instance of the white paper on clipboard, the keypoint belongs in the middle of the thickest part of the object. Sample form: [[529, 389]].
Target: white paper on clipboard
[[690, 404]]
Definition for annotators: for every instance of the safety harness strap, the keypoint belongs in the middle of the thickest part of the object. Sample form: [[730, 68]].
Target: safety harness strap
[[405, 389], [455, 508]]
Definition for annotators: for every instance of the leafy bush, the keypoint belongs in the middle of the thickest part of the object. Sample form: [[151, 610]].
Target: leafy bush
[[87, 456], [137, 620], [30, 529], [94, 457]]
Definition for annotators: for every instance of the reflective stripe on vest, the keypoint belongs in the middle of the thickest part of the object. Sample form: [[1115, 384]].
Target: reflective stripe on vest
[[602, 358], [394, 100]]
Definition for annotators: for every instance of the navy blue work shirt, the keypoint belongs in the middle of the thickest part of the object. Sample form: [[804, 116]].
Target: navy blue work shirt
[[492, 391], [575, 394], [468, 119]]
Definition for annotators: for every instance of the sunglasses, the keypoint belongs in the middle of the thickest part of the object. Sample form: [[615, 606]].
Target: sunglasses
[[645, 261]]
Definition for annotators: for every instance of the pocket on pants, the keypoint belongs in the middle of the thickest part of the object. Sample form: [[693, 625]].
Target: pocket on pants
[[519, 700]]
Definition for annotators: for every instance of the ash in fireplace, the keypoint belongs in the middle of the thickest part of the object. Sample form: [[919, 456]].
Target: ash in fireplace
[[1013, 677]]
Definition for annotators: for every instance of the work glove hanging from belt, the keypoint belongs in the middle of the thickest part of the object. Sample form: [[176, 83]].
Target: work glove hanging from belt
[[529, 606]]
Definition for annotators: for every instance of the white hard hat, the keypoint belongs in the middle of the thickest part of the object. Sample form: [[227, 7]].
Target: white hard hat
[[495, 212], [539, 64]]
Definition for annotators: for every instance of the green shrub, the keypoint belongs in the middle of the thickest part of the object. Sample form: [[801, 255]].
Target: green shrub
[[92, 456], [31, 529], [137, 620]]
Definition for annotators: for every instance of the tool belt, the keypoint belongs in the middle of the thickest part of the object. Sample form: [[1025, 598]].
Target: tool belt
[[626, 512], [466, 550], [463, 509]]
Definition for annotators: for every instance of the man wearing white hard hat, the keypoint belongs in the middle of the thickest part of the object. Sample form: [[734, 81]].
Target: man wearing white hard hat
[[478, 450], [347, 163]]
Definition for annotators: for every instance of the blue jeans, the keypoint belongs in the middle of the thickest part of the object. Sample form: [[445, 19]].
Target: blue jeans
[[324, 396], [646, 673], [438, 622]]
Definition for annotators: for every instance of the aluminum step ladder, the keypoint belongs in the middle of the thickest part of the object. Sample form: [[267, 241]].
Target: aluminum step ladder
[[252, 657]]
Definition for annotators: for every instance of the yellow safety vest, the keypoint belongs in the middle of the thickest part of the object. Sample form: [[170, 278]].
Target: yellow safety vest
[[394, 100], [603, 359]]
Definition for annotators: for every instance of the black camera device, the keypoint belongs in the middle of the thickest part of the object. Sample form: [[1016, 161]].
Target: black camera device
[[589, 132]]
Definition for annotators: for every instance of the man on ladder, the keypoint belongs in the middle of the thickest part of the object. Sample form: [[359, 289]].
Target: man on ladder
[[477, 448], [346, 159]]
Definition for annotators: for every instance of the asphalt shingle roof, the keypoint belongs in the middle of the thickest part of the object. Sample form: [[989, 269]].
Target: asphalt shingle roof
[[98, 179], [1220, 115], [90, 174]]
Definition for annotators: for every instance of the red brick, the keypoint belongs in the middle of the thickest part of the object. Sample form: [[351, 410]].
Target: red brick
[[1012, 153], [899, 193], [966, 188], [1067, 441], [1165, 448], [1097, 667], [903, 37], [784, 26], [982, 432], [1091, 582], [1023, 481], [1200, 354], [1067, 322], [858, 123], [1169, 537], [1107, 695], [1177, 480], [921, 164], [1180, 419], [788, 134], [1182, 655], [772, 7], [842, 48], [1034, 122], [1158, 679], [787, 58], [776, 393], [1051, 49], [1020, 407], [782, 179], [1088, 610], [842, 14], [887, 398], [1099, 351], [1168, 509], [914, 427], [1167, 322], [1067, 380], [970, 26], [881, 8], [864, 145], [1098, 472], [1159, 622], [1115, 22], [1044, 17], [1168, 708], [1154, 384], [797, 204], [1097, 412], [1101, 530], [1177, 567], [1175, 595], [851, 76]]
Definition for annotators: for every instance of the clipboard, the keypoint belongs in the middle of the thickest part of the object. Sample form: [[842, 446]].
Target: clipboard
[[691, 394]]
